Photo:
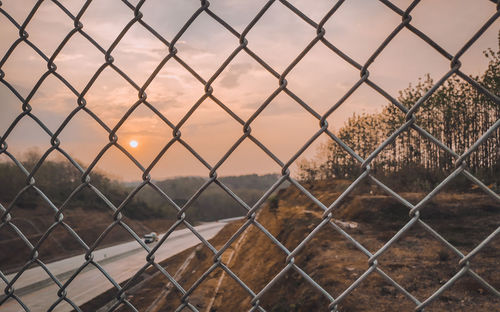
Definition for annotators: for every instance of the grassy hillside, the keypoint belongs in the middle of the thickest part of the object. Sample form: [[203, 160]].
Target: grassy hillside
[[58, 179], [214, 203]]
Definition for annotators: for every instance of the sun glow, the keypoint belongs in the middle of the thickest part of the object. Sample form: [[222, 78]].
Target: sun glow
[[133, 143]]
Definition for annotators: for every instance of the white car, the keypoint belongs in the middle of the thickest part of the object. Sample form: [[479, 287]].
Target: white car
[[151, 238]]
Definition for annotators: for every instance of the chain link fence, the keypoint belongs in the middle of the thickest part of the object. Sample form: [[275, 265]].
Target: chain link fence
[[321, 38]]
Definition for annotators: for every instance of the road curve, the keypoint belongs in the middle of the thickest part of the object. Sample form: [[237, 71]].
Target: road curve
[[121, 262]]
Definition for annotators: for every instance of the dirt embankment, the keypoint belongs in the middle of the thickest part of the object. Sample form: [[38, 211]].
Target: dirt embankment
[[418, 261], [60, 244]]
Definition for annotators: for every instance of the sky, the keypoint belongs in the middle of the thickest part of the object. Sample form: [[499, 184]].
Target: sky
[[320, 79]]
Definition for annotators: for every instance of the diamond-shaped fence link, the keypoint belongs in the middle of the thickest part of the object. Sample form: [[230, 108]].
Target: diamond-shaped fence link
[[321, 38]]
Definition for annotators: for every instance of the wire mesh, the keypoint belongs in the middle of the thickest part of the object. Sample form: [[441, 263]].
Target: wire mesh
[[136, 18]]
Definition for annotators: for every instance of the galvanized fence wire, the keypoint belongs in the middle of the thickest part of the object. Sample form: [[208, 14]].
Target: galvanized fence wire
[[173, 56]]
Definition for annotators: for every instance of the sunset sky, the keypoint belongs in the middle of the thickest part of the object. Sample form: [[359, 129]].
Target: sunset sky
[[320, 79]]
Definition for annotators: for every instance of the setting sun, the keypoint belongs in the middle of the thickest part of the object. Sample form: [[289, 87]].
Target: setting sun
[[133, 143]]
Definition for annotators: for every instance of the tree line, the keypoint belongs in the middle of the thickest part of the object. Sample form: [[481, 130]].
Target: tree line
[[58, 178], [457, 114]]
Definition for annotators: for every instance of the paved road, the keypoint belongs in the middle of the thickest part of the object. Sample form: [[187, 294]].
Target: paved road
[[120, 261]]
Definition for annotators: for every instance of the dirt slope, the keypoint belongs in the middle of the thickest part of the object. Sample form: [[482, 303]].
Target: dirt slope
[[417, 261]]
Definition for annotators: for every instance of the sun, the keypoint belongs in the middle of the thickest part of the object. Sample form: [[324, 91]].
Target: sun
[[133, 143]]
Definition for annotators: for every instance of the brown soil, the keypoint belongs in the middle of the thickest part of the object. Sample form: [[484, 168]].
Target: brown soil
[[417, 261], [60, 244]]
